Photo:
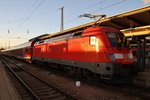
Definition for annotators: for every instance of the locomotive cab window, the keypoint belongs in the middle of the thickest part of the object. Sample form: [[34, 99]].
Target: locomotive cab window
[[117, 39]]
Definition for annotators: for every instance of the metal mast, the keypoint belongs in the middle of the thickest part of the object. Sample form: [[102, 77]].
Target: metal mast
[[62, 19]]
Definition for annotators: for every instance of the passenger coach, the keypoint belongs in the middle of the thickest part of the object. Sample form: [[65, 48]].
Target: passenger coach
[[22, 51]]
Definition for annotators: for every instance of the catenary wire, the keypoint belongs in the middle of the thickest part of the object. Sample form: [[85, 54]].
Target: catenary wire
[[30, 14]]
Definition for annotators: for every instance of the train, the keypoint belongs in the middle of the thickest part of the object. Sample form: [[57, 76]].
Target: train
[[101, 50]]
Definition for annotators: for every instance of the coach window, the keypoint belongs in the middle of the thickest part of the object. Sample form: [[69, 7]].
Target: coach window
[[26, 50]]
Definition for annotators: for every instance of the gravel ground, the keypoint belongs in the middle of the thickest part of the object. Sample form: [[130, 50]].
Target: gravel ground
[[7, 90], [86, 91]]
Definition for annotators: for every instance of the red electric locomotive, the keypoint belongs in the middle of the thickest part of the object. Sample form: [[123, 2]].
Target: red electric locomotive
[[100, 50]]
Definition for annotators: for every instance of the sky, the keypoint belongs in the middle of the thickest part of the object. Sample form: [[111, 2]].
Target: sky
[[21, 20]]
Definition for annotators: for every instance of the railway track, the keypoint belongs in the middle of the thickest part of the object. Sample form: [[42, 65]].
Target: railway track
[[34, 86]]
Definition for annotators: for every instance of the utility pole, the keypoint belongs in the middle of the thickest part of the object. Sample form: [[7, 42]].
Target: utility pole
[[9, 44], [62, 19], [8, 28], [5, 46]]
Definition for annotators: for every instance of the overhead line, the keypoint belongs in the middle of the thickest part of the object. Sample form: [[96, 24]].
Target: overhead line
[[110, 6], [92, 5], [98, 10], [30, 14], [32, 6], [16, 20], [102, 1]]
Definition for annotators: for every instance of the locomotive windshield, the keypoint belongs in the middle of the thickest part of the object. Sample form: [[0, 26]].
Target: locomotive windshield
[[117, 39]]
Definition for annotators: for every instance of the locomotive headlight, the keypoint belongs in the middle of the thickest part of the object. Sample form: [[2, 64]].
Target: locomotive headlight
[[115, 56], [112, 57], [118, 56], [130, 55]]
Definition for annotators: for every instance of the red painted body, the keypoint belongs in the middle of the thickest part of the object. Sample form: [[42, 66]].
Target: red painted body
[[23, 51], [79, 49], [101, 50]]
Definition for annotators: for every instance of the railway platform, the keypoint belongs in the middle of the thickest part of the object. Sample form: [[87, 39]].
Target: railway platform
[[7, 91], [143, 78]]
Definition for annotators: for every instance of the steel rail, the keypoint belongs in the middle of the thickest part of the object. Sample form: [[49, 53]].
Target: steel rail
[[37, 77], [22, 82]]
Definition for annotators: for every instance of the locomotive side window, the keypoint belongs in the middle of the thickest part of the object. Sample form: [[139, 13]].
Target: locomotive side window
[[92, 40], [26, 49]]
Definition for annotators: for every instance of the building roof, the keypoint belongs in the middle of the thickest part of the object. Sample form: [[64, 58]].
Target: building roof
[[135, 18], [138, 31]]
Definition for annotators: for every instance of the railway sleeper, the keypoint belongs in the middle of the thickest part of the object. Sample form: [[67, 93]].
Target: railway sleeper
[[55, 96], [47, 93], [40, 88], [43, 90]]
